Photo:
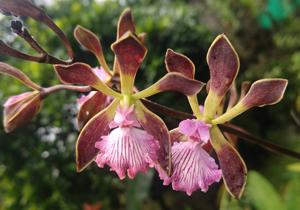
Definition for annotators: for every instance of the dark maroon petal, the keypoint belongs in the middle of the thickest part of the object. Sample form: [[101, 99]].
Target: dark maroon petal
[[157, 128], [179, 83], [88, 39], [125, 23], [233, 167], [265, 92], [18, 74], [91, 42], [262, 92], [22, 111], [90, 107], [223, 63], [176, 62], [172, 81], [130, 53], [81, 73], [77, 73], [92, 132]]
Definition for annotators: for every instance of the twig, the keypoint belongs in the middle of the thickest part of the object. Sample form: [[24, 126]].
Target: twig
[[46, 91], [28, 9]]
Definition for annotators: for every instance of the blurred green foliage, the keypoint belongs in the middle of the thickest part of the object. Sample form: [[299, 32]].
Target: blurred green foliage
[[37, 169]]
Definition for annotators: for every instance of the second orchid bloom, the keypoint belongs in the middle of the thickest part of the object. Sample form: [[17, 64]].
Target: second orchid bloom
[[194, 138]]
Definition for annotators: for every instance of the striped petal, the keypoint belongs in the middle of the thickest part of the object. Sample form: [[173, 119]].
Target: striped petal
[[97, 127], [233, 167], [130, 53], [193, 168], [127, 149], [223, 62]]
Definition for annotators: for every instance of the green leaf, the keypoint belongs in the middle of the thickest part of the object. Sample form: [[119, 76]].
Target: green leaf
[[262, 194], [292, 198], [229, 203]]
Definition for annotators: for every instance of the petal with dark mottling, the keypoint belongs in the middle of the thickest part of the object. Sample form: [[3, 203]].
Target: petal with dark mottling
[[265, 92], [233, 167], [223, 63], [262, 92], [130, 53], [193, 168], [177, 62], [127, 149]]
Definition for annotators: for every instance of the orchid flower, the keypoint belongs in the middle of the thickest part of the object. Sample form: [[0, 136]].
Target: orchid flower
[[193, 167], [125, 135], [95, 101]]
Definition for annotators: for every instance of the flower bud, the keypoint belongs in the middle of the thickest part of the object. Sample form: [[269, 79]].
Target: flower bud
[[20, 109]]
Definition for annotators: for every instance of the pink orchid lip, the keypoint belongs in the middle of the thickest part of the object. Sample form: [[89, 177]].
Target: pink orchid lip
[[124, 118], [127, 148], [193, 168]]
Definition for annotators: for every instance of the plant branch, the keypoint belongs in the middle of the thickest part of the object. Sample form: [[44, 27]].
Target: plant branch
[[28, 9], [46, 91]]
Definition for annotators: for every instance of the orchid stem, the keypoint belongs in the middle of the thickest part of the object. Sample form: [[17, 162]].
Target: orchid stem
[[56, 88]]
